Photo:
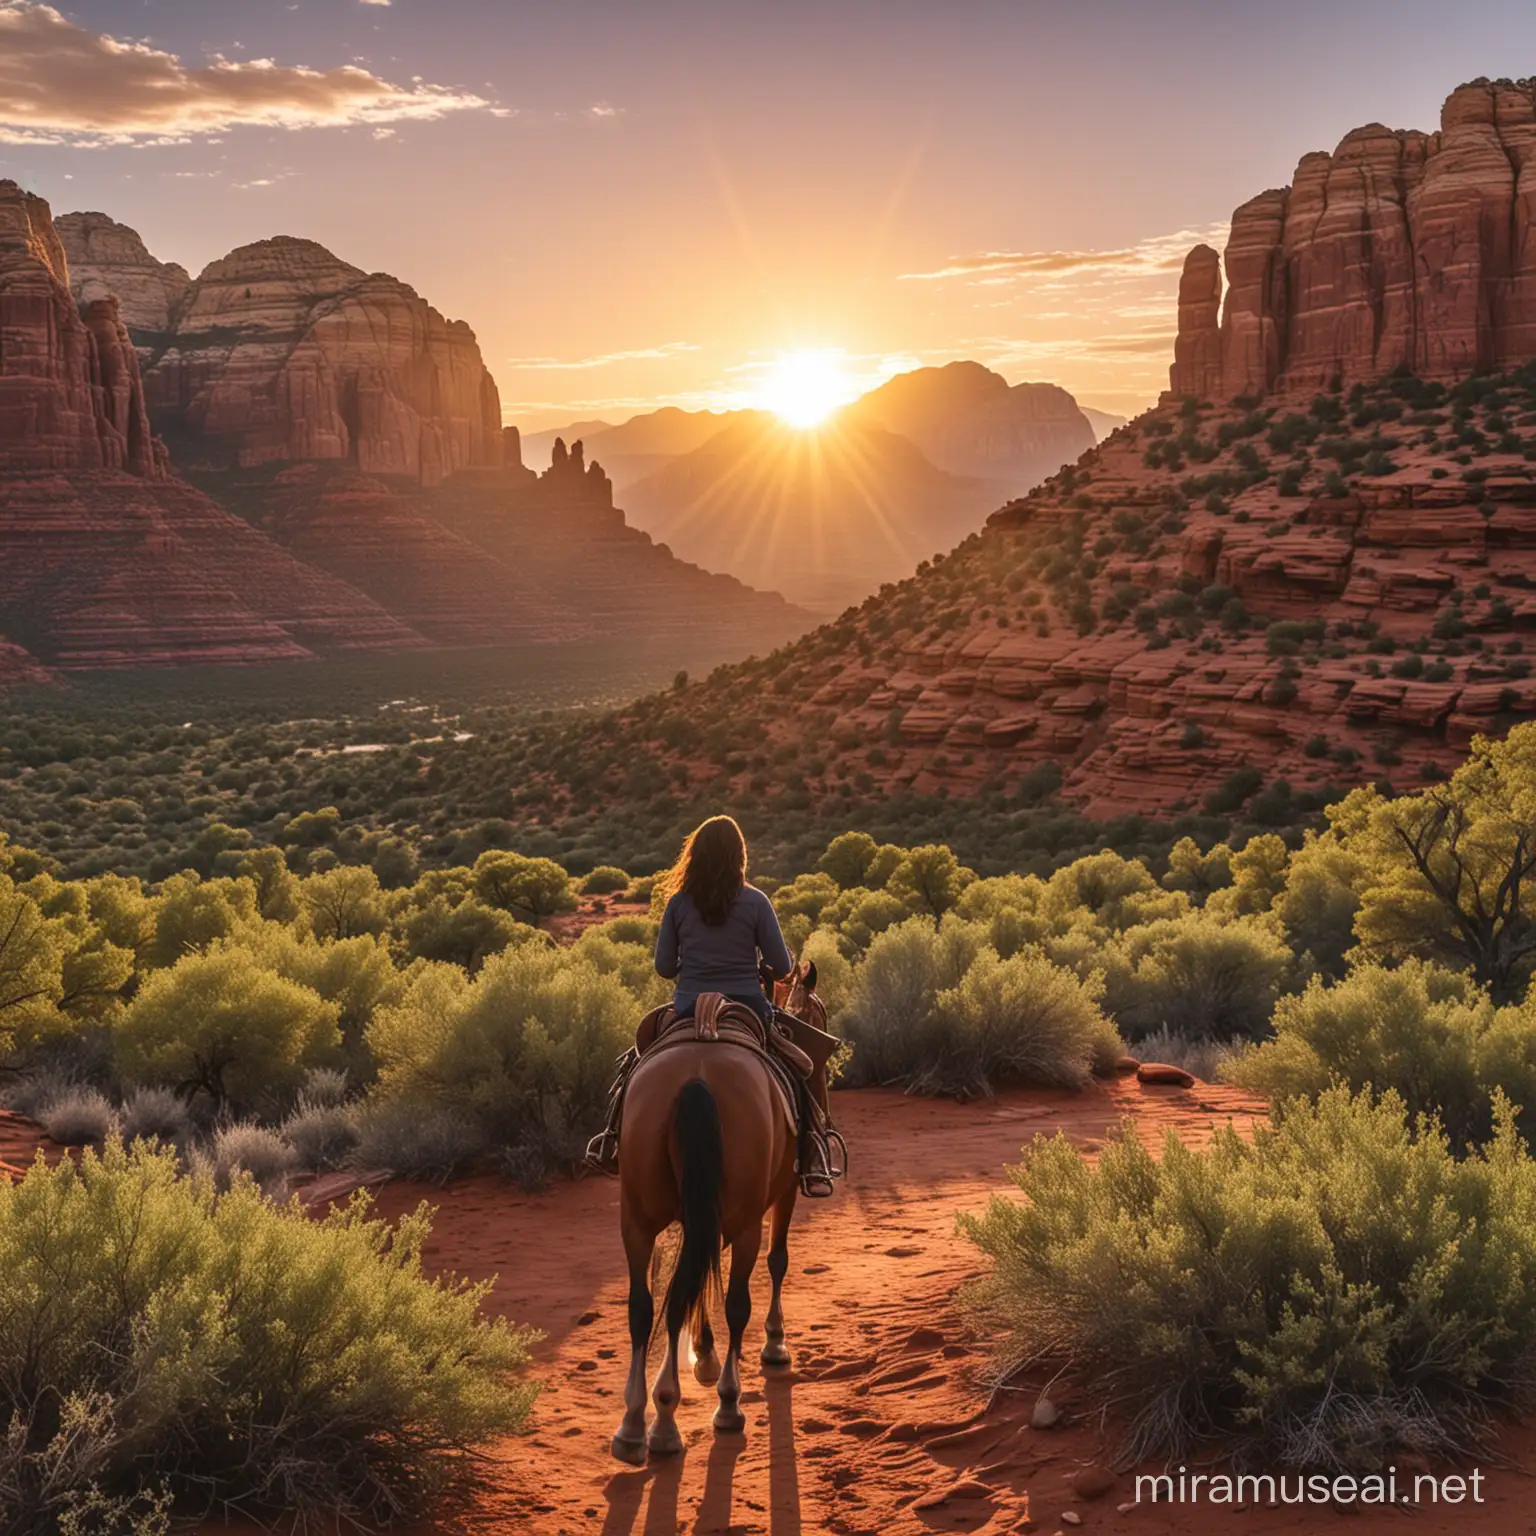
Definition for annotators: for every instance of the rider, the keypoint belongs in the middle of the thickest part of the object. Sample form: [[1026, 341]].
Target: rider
[[716, 925]]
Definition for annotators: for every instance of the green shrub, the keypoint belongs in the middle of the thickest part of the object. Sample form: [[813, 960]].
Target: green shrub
[[1198, 973], [221, 1024], [935, 1010], [1333, 1292], [235, 1353], [605, 880], [1017, 1021], [525, 1051], [1429, 1035]]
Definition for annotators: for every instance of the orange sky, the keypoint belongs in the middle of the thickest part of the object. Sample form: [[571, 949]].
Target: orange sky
[[638, 204]]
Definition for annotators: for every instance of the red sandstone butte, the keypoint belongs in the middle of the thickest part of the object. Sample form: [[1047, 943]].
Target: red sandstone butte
[[1401, 249]]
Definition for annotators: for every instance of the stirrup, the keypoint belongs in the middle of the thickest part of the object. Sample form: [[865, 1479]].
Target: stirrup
[[819, 1180], [603, 1152]]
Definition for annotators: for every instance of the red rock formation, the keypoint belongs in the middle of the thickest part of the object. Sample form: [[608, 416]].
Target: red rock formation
[[70, 392], [1197, 352], [108, 258], [1400, 249], [280, 351], [111, 570]]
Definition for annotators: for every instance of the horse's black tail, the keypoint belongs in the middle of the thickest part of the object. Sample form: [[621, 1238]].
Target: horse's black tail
[[696, 1119]]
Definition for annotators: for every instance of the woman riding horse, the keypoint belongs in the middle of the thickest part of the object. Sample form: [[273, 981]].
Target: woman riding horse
[[676, 1165], [715, 925]]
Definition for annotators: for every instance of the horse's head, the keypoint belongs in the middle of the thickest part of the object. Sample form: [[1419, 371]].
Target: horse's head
[[796, 994]]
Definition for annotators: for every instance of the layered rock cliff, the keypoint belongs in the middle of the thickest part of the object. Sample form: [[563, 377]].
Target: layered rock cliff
[[71, 396], [109, 259], [280, 351], [1400, 250]]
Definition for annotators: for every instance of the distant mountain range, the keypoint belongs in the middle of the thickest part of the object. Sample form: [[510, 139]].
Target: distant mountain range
[[825, 516]]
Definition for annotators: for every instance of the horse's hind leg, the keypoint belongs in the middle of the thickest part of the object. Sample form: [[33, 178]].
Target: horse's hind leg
[[706, 1364], [629, 1441], [738, 1313], [774, 1350]]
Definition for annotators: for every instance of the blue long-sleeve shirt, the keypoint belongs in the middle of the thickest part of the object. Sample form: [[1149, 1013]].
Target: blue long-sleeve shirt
[[721, 959]]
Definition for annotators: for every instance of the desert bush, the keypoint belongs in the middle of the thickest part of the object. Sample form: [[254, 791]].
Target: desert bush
[[1336, 1290], [892, 1016], [344, 903], [79, 1117], [466, 933], [242, 1356], [1195, 972], [531, 889], [525, 1051], [246, 1147], [1021, 1021], [929, 879], [834, 972], [154, 1114], [322, 1133], [416, 1140], [1430, 1035], [605, 880], [221, 1024], [1204, 1058], [188, 914]]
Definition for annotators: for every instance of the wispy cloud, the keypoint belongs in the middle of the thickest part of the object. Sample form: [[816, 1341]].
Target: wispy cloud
[[63, 84], [1148, 258], [604, 359]]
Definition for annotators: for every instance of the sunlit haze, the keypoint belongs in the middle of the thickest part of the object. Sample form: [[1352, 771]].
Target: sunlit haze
[[638, 205], [804, 388]]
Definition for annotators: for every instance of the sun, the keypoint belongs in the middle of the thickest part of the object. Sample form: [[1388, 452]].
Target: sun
[[804, 388]]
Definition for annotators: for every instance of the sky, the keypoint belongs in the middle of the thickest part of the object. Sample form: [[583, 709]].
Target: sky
[[646, 202]]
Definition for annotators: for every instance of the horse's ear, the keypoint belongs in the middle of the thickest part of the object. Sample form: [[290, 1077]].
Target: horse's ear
[[809, 975]]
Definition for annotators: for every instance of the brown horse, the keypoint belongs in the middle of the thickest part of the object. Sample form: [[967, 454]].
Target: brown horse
[[704, 1142]]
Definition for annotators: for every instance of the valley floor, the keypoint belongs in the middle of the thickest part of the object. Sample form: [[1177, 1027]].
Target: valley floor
[[883, 1425]]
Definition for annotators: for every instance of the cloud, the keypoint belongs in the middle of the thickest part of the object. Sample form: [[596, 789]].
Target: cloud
[[604, 359], [376, 2], [62, 84], [1154, 256]]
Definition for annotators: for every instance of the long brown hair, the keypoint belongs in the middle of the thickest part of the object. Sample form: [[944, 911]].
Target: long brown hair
[[712, 868]]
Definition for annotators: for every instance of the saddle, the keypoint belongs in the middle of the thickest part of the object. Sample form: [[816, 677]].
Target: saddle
[[795, 1052]]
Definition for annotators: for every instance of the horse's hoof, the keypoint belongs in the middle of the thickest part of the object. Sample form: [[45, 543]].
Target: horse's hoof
[[775, 1353], [631, 1452], [664, 1440], [706, 1370], [729, 1421]]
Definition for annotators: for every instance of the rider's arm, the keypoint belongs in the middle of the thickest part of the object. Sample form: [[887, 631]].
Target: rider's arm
[[770, 938], [667, 959]]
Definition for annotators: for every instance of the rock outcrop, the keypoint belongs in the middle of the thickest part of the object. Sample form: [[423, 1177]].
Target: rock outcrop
[[1400, 250], [71, 396], [109, 259], [280, 351], [1197, 352]]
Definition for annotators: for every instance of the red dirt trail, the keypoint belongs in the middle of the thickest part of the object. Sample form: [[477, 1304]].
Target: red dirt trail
[[881, 1427]]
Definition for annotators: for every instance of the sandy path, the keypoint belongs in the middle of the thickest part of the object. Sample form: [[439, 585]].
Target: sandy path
[[881, 1426]]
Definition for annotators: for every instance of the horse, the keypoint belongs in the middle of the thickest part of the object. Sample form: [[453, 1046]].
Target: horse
[[675, 1165]]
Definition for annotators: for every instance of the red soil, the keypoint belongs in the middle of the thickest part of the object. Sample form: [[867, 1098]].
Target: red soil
[[883, 1425]]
